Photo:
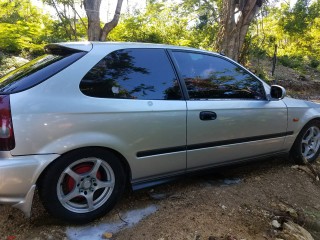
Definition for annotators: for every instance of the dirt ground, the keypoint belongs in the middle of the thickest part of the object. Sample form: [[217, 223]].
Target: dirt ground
[[233, 203]]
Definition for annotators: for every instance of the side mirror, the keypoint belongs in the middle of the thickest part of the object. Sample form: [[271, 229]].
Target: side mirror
[[277, 92]]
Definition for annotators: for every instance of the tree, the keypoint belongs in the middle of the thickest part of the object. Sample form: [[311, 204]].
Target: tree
[[23, 27], [95, 32], [69, 18], [297, 20], [160, 22], [234, 24]]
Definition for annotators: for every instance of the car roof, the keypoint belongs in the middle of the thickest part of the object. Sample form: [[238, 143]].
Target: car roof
[[87, 46]]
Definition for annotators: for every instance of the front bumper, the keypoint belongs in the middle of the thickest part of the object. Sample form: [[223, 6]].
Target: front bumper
[[18, 176]]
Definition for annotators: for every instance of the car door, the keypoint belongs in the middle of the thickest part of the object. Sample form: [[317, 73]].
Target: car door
[[228, 115], [139, 106]]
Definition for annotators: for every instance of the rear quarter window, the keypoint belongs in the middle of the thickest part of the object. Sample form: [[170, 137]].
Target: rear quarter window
[[37, 71], [145, 74]]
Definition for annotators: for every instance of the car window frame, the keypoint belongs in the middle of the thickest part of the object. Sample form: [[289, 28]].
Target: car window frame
[[184, 86], [170, 61]]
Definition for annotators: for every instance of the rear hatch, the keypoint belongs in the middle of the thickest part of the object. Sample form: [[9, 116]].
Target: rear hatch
[[57, 58]]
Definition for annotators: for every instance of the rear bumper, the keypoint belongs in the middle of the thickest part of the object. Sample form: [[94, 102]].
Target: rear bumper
[[18, 176]]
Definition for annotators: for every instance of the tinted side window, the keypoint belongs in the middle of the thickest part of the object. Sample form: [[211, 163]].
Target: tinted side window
[[210, 77], [132, 74], [37, 71]]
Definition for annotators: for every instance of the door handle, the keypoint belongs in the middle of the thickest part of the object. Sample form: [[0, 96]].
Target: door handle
[[207, 115]]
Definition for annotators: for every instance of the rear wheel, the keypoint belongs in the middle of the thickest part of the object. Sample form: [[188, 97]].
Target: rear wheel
[[82, 185], [307, 144]]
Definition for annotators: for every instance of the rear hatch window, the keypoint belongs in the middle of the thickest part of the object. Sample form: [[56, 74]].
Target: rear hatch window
[[39, 69]]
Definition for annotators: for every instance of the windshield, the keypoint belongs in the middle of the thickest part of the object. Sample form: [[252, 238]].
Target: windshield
[[36, 71]]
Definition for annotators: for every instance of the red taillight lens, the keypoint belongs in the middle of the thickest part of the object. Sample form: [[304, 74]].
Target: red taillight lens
[[6, 129]]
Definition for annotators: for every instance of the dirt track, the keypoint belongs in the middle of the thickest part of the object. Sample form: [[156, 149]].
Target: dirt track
[[231, 203]]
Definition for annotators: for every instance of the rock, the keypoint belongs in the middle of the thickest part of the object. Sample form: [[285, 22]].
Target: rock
[[282, 207], [107, 235], [293, 231], [196, 236], [293, 213], [212, 238], [295, 167], [276, 224], [303, 78]]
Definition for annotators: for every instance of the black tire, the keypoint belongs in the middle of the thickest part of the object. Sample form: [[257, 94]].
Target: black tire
[[307, 143], [92, 178]]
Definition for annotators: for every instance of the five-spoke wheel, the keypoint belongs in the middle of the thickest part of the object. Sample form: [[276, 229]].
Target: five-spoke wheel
[[310, 143], [85, 185], [307, 144], [82, 185]]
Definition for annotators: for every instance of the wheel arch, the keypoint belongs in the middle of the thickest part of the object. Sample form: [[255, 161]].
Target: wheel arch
[[294, 145], [306, 123], [122, 159]]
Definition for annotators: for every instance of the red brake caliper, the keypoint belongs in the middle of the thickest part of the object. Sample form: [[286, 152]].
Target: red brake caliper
[[80, 169]]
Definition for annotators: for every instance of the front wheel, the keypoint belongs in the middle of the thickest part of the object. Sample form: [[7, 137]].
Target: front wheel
[[307, 145], [82, 185]]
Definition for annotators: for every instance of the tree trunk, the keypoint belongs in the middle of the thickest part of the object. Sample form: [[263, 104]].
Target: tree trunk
[[113, 23], [92, 8], [95, 32], [234, 25]]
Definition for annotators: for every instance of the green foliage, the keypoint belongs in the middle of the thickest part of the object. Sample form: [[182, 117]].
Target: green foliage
[[314, 63], [68, 26], [165, 23], [23, 28], [156, 25], [296, 32], [296, 21], [291, 62]]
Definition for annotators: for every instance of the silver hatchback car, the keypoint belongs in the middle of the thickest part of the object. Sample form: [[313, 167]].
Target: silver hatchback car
[[84, 120]]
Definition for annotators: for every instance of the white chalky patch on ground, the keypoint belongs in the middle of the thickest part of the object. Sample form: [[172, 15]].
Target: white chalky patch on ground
[[94, 232]]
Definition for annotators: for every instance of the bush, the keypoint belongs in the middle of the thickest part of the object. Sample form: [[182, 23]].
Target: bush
[[314, 63], [291, 62]]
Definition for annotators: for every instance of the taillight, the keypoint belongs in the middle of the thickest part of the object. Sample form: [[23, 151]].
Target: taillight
[[6, 129]]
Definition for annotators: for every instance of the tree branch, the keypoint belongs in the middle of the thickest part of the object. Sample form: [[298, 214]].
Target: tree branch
[[74, 9], [113, 23]]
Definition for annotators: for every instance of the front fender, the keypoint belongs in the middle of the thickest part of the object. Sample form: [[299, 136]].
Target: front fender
[[299, 114]]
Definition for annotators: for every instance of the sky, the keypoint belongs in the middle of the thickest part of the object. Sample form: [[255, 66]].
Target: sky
[[106, 10]]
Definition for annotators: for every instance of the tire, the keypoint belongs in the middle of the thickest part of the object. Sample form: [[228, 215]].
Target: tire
[[82, 185], [307, 144]]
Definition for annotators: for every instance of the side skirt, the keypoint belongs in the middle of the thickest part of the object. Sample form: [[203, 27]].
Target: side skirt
[[148, 182]]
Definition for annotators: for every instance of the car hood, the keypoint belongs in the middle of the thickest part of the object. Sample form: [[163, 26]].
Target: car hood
[[297, 103]]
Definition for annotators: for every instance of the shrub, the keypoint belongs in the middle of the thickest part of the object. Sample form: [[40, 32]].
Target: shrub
[[314, 63], [291, 62]]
